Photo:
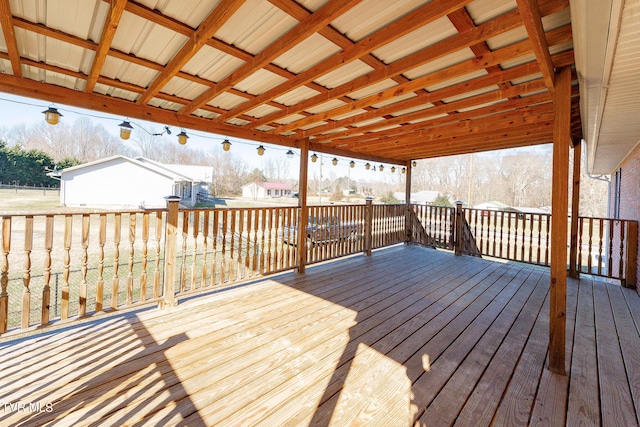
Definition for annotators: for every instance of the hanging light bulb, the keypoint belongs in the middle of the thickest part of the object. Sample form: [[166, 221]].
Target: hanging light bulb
[[404, 170], [260, 150], [290, 154], [381, 168], [367, 166], [182, 137], [226, 145], [393, 169], [414, 164], [125, 129], [334, 161], [352, 164], [52, 115], [314, 158]]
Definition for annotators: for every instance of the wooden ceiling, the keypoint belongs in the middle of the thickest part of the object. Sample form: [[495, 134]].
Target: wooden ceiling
[[370, 79]]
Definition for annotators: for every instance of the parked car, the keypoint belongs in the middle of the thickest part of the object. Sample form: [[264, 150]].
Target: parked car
[[324, 230]]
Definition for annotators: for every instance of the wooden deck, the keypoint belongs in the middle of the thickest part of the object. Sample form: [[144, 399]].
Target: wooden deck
[[409, 335]]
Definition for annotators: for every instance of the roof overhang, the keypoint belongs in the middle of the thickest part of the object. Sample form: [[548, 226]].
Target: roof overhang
[[607, 51]]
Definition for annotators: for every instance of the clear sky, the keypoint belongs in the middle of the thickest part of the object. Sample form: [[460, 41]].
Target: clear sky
[[19, 110]]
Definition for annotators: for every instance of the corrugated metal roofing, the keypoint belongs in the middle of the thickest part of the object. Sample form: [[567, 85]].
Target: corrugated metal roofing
[[333, 71]]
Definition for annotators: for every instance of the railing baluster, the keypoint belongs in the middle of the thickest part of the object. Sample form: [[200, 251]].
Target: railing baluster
[[143, 273], [263, 247], [156, 267], [610, 258], [205, 248], [240, 228], [4, 273], [26, 277], [64, 313], [621, 261], [195, 233], [600, 243], [214, 261], [46, 291], [539, 238], [183, 264], [590, 247], [223, 263], [256, 246], [580, 228], [115, 284], [82, 303], [132, 240], [100, 282]]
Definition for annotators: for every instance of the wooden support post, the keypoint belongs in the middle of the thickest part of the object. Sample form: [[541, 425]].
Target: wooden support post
[[301, 248], [575, 211], [170, 242], [631, 262], [368, 226], [458, 229], [559, 223], [26, 277], [408, 218]]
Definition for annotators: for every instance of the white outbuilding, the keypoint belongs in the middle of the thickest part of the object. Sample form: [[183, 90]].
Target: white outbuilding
[[119, 182]]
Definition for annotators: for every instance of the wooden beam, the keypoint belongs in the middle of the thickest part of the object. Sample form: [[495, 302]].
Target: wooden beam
[[301, 249], [492, 59], [321, 18], [216, 19], [559, 223], [575, 210], [533, 23], [416, 19], [116, 9], [10, 37]]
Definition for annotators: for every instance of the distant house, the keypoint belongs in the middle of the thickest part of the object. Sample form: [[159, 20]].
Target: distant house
[[266, 190], [495, 206], [121, 182], [424, 197]]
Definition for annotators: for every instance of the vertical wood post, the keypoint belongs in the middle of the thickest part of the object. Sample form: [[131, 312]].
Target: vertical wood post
[[303, 219], [4, 275], [64, 306], [368, 226], [559, 223], [458, 229], [170, 242], [631, 262], [408, 218], [26, 277], [575, 211], [46, 291]]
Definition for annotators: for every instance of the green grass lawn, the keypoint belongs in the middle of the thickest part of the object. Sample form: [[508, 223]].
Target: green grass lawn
[[21, 200]]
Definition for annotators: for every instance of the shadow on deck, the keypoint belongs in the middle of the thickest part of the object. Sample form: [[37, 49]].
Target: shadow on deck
[[407, 335]]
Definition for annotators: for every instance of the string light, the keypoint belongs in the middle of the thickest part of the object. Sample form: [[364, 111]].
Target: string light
[[290, 154], [260, 150], [393, 169], [334, 161], [414, 164], [182, 137], [367, 166], [314, 158], [404, 170], [52, 115], [125, 129], [226, 145], [352, 164], [381, 168]]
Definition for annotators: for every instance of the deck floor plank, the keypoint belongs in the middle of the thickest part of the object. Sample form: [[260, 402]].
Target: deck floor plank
[[408, 336]]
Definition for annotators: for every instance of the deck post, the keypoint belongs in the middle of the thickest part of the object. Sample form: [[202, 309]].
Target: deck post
[[407, 197], [458, 229], [368, 226], [575, 210], [559, 223], [301, 248], [630, 276], [170, 241]]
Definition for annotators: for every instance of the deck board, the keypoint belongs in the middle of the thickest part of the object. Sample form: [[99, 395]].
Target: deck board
[[408, 336]]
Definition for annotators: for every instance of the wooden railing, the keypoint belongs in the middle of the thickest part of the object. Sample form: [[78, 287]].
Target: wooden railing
[[64, 266], [607, 247], [57, 267]]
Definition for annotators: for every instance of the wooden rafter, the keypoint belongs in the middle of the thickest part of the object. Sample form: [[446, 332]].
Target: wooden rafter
[[489, 60], [10, 37], [116, 9], [216, 19], [399, 28], [533, 23], [320, 19]]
